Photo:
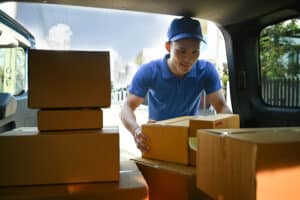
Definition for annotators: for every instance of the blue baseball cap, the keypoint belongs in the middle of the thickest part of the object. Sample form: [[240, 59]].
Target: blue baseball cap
[[185, 27]]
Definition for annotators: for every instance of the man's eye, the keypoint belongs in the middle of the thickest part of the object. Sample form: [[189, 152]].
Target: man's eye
[[182, 51]]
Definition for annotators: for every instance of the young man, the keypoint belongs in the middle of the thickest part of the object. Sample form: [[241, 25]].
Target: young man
[[174, 83]]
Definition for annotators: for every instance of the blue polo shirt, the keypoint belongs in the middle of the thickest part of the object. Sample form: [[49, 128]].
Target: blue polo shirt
[[169, 95]]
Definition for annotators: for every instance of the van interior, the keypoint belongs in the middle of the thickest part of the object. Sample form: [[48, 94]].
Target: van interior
[[260, 41]]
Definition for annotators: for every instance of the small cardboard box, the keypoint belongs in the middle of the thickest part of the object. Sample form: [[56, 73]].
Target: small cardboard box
[[167, 142], [249, 164], [168, 139], [131, 186], [49, 120], [68, 79], [211, 122], [29, 158], [170, 181]]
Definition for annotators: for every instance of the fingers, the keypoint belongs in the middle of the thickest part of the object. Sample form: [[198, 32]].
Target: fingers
[[151, 121], [141, 141]]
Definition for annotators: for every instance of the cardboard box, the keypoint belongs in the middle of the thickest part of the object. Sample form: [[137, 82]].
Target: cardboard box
[[167, 142], [49, 120], [170, 181], [169, 138], [249, 164], [131, 186], [29, 158], [68, 79], [218, 121]]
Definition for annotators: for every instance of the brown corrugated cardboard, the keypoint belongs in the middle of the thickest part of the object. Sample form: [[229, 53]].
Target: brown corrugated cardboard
[[211, 122], [168, 143], [131, 186], [181, 119], [28, 157], [250, 164], [68, 79], [49, 120], [168, 139], [170, 181]]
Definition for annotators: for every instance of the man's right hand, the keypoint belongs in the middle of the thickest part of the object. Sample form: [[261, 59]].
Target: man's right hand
[[141, 140]]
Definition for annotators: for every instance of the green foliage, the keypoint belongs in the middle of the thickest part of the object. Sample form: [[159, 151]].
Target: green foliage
[[225, 79], [1, 78], [225, 76], [139, 59], [279, 51]]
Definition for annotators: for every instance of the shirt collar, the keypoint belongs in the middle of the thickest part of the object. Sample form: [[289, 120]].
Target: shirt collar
[[167, 74]]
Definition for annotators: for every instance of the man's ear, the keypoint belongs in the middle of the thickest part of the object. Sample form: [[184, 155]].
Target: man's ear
[[168, 46]]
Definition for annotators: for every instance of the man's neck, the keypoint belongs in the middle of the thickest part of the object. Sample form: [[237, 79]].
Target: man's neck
[[173, 69]]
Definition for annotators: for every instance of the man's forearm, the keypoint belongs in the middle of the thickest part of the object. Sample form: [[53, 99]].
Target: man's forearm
[[225, 109], [129, 120]]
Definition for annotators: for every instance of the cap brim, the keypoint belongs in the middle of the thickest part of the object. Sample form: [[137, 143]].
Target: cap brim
[[186, 36]]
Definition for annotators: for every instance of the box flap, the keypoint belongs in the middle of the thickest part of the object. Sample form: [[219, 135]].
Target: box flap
[[177, 168], [29, 131], [173, 120], [213, 117], [261, 135]]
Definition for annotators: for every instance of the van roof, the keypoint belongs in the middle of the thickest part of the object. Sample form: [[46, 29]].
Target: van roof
[[218, 11]]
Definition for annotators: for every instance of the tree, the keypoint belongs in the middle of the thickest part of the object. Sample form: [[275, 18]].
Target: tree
[[279, 50]]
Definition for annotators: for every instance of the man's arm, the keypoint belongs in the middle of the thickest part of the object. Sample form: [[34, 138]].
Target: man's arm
[[129, 120], [217, 100]]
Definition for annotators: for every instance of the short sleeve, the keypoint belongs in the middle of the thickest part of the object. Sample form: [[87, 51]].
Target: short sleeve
[[212, 81], [141, 81]]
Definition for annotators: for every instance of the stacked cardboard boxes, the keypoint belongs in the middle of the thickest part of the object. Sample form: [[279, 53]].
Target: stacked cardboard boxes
[[70, 145], [168, 139], [69, 88], [169, 165], [249, 164]]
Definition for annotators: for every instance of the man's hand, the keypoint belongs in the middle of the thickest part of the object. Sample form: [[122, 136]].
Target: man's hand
[[141, 140], [217, 99]]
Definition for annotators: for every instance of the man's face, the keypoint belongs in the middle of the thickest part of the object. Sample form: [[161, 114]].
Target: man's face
[[183, 54]]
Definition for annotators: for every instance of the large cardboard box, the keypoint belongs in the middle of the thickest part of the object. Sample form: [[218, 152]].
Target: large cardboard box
[[28, 157], [170, 181], [131, 186], [74, 119], [249, 164], [68, 79], [168, 139]]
